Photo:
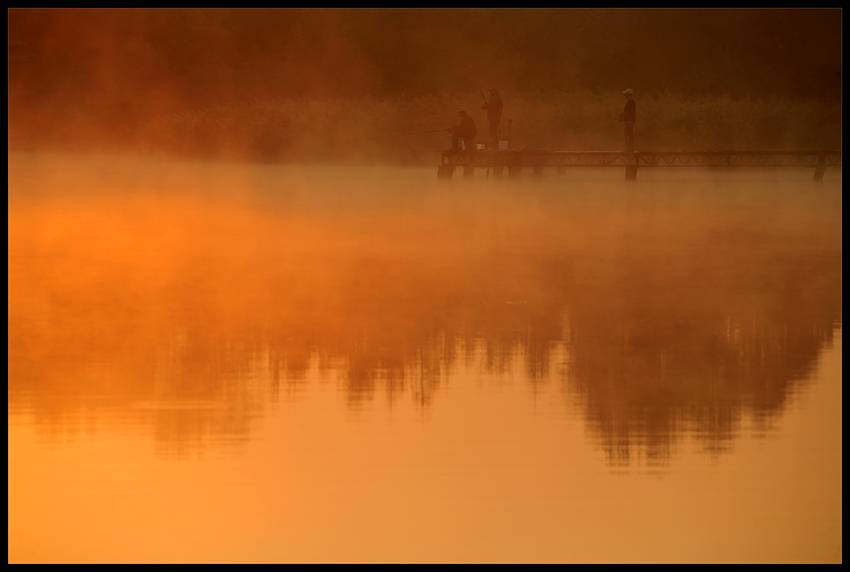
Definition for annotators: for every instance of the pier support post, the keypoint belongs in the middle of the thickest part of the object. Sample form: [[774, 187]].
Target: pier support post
[[445, 171], [631, 168], [497, 170], [821, 168], [538, 170], [468, 170], [514, 171]]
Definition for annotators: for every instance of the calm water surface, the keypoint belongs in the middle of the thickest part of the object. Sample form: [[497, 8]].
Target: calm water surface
[[260, 363]]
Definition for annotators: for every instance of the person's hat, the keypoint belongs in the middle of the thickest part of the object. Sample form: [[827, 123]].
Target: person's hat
[[629, 91], [462, 110]]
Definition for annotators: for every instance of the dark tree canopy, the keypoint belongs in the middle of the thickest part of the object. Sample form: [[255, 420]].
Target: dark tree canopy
[[119, 66]]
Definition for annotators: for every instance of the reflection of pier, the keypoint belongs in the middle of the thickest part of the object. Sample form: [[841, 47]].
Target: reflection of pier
[[538, 159]]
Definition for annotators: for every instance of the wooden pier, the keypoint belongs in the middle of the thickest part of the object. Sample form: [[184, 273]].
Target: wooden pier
[[515, 160]]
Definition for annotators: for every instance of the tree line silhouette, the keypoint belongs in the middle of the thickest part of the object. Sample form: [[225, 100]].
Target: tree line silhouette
[[112, 70]]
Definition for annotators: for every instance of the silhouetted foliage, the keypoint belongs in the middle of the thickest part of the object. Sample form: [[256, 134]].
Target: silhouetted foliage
[[115, 69]]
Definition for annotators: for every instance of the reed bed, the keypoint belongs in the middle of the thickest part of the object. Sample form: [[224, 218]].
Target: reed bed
[[373, 130]]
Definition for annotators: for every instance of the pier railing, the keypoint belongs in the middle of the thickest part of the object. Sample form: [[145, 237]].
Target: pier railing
[[515, 160]]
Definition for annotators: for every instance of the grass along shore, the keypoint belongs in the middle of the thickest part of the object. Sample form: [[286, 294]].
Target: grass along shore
[[371, 130]]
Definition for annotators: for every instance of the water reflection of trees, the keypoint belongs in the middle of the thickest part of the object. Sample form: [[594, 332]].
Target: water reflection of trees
[[648, 378], [662, 331]]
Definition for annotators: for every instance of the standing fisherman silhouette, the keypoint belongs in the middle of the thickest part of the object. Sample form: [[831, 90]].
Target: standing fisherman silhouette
[[494, 115], [628, 118], [464, 130]]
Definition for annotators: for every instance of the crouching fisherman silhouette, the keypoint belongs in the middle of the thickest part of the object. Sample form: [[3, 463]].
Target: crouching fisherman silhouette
[[464, 131]]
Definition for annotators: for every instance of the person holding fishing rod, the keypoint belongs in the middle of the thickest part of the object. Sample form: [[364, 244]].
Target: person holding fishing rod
[[628, 118], [494, 115], [465, 130]]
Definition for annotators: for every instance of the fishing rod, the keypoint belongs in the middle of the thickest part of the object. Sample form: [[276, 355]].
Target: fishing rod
[[479, 84], [608, 123], [404, 134], [590, 130], [583, 135]]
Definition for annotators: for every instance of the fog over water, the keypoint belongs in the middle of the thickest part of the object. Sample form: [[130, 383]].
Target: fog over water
[[300, 85], [223, 315], [248, 323]]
